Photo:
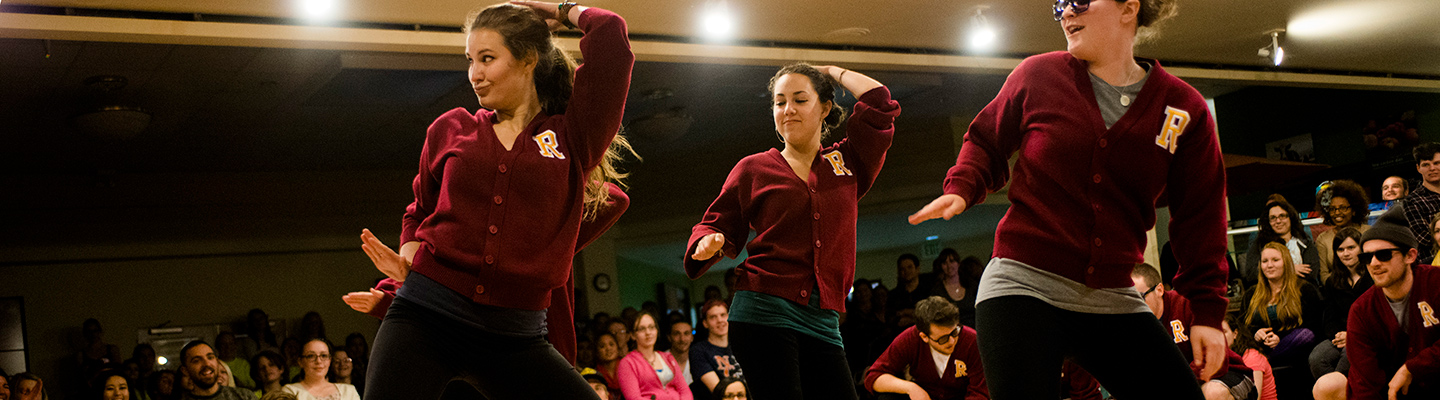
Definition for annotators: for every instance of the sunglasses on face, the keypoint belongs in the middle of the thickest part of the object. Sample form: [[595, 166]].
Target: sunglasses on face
[[1080, 6], [1382, 255], [943, 339]]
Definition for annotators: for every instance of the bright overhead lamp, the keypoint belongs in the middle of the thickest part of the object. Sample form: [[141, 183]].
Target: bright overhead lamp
[[716, 21], [982, 34], [318, 10], [1273, 51]]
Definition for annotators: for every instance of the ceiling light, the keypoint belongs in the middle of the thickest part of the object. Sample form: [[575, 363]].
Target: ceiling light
[[318, 10], [1346, 19], [982, 35], [716, 22], [162, 360], [1273, 51]]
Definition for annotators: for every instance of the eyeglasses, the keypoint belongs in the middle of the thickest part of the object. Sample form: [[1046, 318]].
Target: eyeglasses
[[345, 360], [1337, 209], [943, 339], [1382, 255], [1080, 6], [1279, 217], [735, 396], [312, 357], [1152, 289]]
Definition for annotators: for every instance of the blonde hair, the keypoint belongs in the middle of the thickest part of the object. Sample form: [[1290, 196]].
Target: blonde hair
[[1287, 307]]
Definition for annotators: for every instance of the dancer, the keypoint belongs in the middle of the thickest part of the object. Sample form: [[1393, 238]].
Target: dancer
[[498, 204], [1102, 138], [801, 201]]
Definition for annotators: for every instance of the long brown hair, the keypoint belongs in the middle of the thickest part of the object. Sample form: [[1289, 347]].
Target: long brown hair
[[1287, 307], [526, 35]]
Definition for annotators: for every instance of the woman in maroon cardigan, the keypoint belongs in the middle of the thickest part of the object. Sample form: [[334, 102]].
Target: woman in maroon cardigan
[[498, 204], [801, 202], [1103, 138]]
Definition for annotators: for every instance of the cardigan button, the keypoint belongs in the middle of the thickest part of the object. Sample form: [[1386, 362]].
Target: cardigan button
[[499, 199], [812, 190], [1097, 206], [817, 243], [494, 229], [1090, 270], [489, 259], [804, 293], [1096, 179], [1103, 143], [479, 289], [1098, 242], [817, 216], [503, 169]]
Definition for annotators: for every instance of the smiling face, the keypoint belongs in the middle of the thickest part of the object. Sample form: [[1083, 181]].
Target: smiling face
[[607, 348], [1340, 211], [1272, 265], [341, 363], [202, 367], [717, 320], [1094, 32], [1389, 273], [1392, 189], [799, 114], [1280, 220], [681, 337], [269, 370], [315, 359], [501, 80]]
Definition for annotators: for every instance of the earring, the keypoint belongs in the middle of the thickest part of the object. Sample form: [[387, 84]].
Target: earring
[[782, 138]]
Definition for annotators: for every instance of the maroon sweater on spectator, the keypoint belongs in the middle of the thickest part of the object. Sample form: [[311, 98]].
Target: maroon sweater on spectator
[[1177, 320], [560, 317], [963, 378], [1377, 347], [805, 231], [1083, 196], [1077, 384], [500, 226]]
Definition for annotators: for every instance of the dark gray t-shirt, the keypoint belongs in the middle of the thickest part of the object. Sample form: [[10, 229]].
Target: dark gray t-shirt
[[1398, 307], [1108, 97], [225, 393]]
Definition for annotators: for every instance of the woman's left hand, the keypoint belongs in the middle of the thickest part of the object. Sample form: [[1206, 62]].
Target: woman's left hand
[[548, 11], [1303, 270]]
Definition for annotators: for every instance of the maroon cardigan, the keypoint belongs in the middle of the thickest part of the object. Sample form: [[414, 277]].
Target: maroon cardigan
[[909, 351], [500, 226], [1082, 196], [1377, 347], [805, 231], [560, 317], [1177, 320]]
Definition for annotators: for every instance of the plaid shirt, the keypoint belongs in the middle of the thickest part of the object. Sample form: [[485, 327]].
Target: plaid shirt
[[1420, 205]]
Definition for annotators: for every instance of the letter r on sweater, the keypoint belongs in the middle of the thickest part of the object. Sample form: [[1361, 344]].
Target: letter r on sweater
[[1428, 314], [549, 147], [837, 163], [1175, 122], [1178, 329]]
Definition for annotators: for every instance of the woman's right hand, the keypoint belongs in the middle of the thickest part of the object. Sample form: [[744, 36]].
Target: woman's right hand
[[1261, 334], [945, 206], [1303, 270], [386, 260], [363, 301], [709, 246]]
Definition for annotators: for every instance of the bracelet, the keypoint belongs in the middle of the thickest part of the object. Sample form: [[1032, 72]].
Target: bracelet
[[564, 14], [841, 79]]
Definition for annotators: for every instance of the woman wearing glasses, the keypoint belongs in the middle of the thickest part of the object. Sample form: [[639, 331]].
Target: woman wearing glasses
[[649, 374], [315, 362], [1283, 226], [1103, 138]]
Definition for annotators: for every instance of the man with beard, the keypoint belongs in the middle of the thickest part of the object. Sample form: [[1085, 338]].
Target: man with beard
[[1424, 201], [1393, 336], [199, 363]]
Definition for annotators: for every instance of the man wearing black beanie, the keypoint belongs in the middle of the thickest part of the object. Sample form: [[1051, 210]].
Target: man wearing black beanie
[[1394, 334]]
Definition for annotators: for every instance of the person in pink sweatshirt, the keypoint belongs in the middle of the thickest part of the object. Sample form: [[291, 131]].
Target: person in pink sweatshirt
[[646, 374]]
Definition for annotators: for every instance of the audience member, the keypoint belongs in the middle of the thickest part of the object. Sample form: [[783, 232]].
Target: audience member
[[131, 370], [731, 389], [619, 329], [200, 365], [1284, 227], [268, 371], [258, 335], [681, 336], [228, 352], [111, 385], [956, 281], [342, 367], [597, 382], [94, 355], [1394, 340], [1349, 280], [27, 386], [290, 348], [584, 352], [940, 355], [711, 358], [1394, 188], [144, 357], [359, 351], [608, 350], [1231, 382], [908, 290], [712, 292], [859, 327], [1435, 233], [1249, 349], [312, 327], [646, 373], [226, 378], [161, 386], [314, 384], [731, 278], [4, 385], [1347, 206], [1424, 200], [1284, 313]]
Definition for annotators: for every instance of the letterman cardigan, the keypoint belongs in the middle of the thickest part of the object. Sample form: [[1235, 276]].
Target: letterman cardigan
[[1377, 347]]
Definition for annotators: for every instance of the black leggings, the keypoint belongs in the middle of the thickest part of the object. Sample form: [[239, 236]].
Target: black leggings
[[1024, 340], [782, 364], [418, 351]]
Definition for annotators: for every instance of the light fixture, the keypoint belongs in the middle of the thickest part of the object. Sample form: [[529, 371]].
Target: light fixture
[[317, 10], [716, 22], [1273, 51], [162, 360], [982, 35]]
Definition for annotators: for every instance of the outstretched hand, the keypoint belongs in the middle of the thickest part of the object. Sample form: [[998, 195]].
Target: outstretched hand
[[945, 206], [386, 260], [709, 246], [363, 301]]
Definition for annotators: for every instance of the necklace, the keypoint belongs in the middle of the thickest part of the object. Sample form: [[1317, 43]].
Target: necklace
[[1124, 98]]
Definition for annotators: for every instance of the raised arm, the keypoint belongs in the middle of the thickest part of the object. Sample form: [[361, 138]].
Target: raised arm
[[871, 126]]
